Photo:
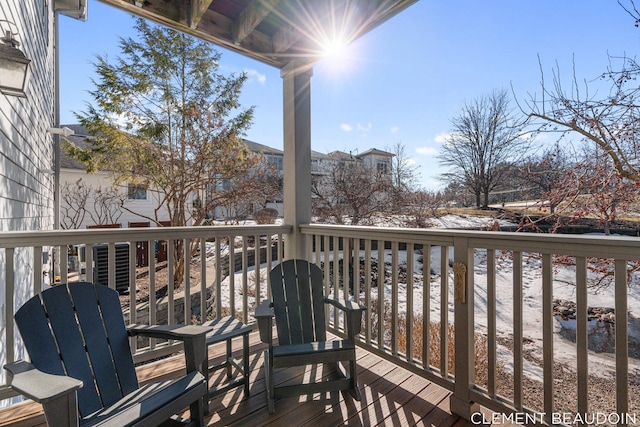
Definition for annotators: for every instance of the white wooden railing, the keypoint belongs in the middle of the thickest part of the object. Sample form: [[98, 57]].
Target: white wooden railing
[[24, 273], [531, 262], [416, 326]]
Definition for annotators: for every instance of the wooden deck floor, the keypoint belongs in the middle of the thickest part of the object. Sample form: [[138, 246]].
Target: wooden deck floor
[[391, 396]]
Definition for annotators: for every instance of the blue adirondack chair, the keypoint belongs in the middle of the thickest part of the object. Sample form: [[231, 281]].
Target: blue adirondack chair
[[299, 309], [82, 370]]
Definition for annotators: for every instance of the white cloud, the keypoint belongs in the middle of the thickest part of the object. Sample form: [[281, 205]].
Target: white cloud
[[427, 151], [365, 128], [346, 127], [256, 75], [441, 138], [394, 129], [410, 162]]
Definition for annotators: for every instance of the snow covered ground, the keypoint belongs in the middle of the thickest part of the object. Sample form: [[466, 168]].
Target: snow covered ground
[[564, 276]]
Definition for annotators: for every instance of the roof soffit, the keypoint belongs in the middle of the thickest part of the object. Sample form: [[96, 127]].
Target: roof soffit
[[275, 32]]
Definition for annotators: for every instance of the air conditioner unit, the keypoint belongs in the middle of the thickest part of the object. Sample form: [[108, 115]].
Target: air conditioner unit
[[73, 8]]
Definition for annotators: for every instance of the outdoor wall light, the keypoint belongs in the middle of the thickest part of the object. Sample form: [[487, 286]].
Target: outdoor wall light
[[14, 66]]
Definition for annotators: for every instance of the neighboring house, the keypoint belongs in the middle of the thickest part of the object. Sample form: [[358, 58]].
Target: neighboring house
[[321, 164], [275, 157], [374, 158], [103, 204]]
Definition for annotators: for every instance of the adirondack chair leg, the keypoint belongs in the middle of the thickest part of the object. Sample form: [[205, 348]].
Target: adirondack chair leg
[[63, 411], [196, 410], [354, 390], [352, 375], [268, 363]]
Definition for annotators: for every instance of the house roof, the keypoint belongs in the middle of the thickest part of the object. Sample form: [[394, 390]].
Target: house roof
[[375, 151], [272, 31], [79, 138], [261, 148]]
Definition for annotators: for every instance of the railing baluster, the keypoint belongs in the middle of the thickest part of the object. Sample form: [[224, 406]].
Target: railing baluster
[[245, 280], [88, 253], [256, 252], [582, 337], [517, 330], [346, 266], [622, 339], [381, 274], [132, 289], [444, 310], [547, 333], [9, 299], [232, 275], [153, 305], [367, 290], [491, 322], [187, 281], [394, 298], [64, 264], [356, 270], [218, 280], [327, 271], [426, 305], [37, 269], [409, 311], [171, 311], [203, 278], [336, 276]]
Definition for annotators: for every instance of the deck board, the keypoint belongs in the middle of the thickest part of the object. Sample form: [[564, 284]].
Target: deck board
[[391, 396]]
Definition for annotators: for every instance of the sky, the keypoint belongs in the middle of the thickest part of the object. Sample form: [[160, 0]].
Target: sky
[[404, 81]]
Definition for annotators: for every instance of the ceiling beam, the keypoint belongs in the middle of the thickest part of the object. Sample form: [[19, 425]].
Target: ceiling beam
[[251, 17], [198, 9], [284, 38]]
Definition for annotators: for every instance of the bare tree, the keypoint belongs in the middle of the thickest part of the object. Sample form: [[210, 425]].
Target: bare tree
[[593, 188], [73, 208], [79, 200], [422, 206], [351, 191], [546, 172], [611, 121], [486, 138], [404, 173]]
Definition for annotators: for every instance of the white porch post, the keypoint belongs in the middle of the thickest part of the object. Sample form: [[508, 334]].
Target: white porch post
[[297, 153], [460, 401]]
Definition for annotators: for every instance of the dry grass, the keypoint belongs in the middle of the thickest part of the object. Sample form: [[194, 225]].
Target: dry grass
[[434, 334]]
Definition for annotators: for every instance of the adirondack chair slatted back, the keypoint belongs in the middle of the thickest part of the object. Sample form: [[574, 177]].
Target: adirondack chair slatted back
[[78, 330], [298, 302]]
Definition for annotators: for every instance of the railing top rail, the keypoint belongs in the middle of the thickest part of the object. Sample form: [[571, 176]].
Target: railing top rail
[[620, 247], [15, 239]]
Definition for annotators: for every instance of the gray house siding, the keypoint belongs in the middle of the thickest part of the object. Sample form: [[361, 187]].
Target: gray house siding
[[26, 149]]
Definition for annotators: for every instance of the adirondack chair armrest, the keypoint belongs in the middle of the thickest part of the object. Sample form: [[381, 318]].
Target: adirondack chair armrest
[[264, 314], [353, 312], [37, 385], [192, 336]]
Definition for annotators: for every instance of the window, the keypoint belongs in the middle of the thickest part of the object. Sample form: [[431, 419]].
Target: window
[[382, 166], [136, 191], [276, 162]]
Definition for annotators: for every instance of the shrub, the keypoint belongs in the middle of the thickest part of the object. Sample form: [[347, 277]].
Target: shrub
[[266, 216]]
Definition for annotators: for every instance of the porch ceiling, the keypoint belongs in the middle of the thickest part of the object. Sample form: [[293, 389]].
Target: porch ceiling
[[272, 31]]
